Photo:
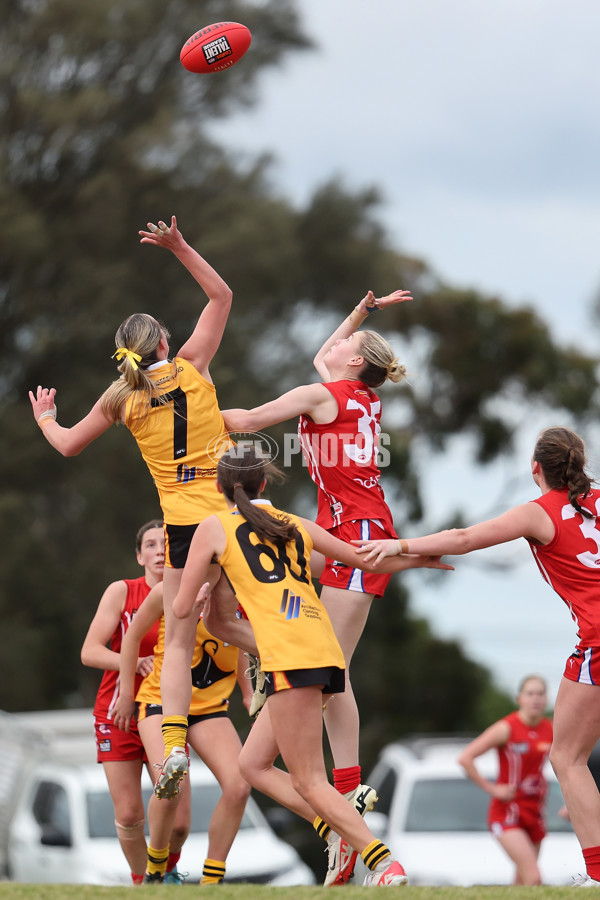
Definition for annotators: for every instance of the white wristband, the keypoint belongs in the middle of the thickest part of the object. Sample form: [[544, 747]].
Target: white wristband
[[47, 414]]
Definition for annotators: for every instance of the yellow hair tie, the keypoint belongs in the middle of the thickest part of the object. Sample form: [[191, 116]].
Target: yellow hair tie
[[134, 358]]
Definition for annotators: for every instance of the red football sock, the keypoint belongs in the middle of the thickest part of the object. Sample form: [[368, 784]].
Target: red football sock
[[592, 862], [137, 879], [173, 860], [347, 779]]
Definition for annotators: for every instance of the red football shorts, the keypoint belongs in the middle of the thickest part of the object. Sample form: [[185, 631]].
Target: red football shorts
[[336, 574], [583, 665], [502, 816], [114, 745]]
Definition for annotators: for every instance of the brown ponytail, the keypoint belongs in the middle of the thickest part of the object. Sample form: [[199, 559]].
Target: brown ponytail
[[561, 455], [241, 473]]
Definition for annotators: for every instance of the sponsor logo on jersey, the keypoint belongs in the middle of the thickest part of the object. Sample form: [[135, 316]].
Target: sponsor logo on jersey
[[290, 604], [189, 473], [522, 747], [368, 483]]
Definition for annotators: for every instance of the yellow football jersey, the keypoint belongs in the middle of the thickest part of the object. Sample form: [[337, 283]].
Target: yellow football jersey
[[214, 673], [274, 587], [182, 441]]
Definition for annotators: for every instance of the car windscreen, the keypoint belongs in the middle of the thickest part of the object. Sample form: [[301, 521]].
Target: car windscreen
[[457, 804], [101, 815], [447, 804]]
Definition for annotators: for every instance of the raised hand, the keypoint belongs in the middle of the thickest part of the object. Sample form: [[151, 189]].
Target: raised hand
[[163, 235], [43, 403], [371, 302]]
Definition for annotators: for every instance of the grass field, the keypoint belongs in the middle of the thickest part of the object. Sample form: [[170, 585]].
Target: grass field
[[10, 891]]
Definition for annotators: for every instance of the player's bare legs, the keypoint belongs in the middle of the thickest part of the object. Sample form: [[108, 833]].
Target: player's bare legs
[[524, 853], [180, 640], [576, 729], [217, 743], [168, 820], [123, 777], [302, 752], [306, 790], [257, 760], [348, 611]]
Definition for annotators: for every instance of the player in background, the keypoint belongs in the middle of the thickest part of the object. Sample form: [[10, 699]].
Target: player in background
[[123, 755], [516, 811], [562, 529], [214, 671], [170, 406], [339, 430], [265, 555]]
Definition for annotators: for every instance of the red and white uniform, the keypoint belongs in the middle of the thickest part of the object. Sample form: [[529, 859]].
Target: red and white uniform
[[521, 761], [342, 461], [570, 564], [111, 743], [342, 457]]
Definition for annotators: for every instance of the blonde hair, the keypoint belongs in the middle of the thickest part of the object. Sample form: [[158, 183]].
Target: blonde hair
[[380, 362], [141, 334], [525, 681]]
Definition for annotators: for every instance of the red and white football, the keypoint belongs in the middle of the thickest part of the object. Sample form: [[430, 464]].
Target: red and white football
[[215, 48]]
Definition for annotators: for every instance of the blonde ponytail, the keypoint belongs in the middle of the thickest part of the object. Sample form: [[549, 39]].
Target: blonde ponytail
[[381, 364], [137, 339]]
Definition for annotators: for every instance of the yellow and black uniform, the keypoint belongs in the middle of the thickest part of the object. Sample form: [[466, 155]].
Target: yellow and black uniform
[[274, 587], [214, 676], [181, 441]]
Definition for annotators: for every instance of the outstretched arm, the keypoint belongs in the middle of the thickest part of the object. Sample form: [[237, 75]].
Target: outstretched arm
[[351, 323], [309, 399], [204, 341], [68, 441], [528, 520], [332, 547]]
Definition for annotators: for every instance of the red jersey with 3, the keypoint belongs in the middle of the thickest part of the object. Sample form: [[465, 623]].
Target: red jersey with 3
[[342, 457]]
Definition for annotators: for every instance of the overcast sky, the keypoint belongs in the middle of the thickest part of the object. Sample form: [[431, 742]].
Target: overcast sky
[[479, 122]]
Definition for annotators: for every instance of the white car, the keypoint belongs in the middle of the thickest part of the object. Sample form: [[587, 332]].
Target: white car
[[63, 831], [435, 819]]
